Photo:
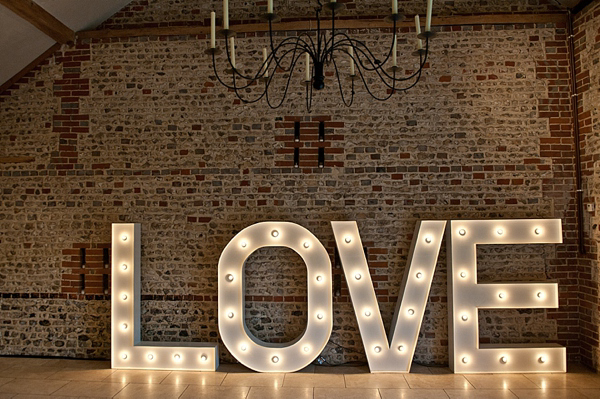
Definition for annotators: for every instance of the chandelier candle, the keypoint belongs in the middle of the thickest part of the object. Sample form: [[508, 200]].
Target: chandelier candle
[[428, 20], [394, 7], [225, 14], [266, 68], [213, 30], [395, 52], [351, 52], [270, 7], [232, 44], [418, 27], [307, 65]]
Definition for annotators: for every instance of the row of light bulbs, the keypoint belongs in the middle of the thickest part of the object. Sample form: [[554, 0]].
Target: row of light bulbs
[[176, 357], [504, 359], [500, 231]]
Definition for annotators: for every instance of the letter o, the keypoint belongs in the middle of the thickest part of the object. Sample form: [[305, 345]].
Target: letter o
[[245, 347]]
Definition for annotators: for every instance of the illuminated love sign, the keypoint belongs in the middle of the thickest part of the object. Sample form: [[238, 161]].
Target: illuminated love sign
[[384, 353]]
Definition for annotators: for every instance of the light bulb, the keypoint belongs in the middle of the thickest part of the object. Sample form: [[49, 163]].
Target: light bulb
[[542, 359], [348, 239], [275, 359], [464, 317], [465, 360], [124, 237], [501, 295], [401, 348], [358, 276], [503, 360], [320, 316], [124, 297], [124, 266], [499, 232], [151, 357], [540, 295], [124, 356], [124, 326], [204, 358], [275, 233], [537, 231], [411, 312], [419, 275], [243, 244], [367, 313], [462, 232], [319, 278], [377, 349], [306, 244], [243, 348], [463, 274], [428, 239], [229, 277], [307, 349], [177, 357], [230, 315]]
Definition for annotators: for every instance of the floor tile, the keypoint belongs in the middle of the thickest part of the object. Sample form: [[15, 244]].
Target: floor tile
[[151, 391], [194, 377], [375, 381], [280, 393], [234, 368], [253, 379], [419, 369], [590, 393], [440, 370], [548, 394], [314, 380], [4, 380], [500, 381], [348, 393], [39, 387], [6, 362], [413, 394], [81, 375], [341, 369], [213, 392], [32, 372], [78, 364], [137, 376], [561, 381], [90, 389], [7, 395], [480, 394], [20, 396], [443, 381]]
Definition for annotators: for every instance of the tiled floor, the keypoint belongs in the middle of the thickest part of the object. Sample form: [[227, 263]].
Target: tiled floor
[[26, 378]]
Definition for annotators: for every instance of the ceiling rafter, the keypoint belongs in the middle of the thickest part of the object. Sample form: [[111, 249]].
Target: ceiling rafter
[[41, 19]]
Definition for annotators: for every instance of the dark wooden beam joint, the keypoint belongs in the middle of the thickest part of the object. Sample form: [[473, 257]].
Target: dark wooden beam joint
[[16, 159], [41, 19]]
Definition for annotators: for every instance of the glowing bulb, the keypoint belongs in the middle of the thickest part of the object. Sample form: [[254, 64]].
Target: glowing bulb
[[275, 233], [124, 266], [358, 276], [537, 231], [540, 295], [502, 295], [411, 312], [503, 360], [319, 278], [464, 317], [367, 313], [204, 358], [124, 326], [275, 359], [151, 357], [243, 348], [124, 297], [499, 232], [377, 349], [465, 360], [230, 315], [348, 239], [428, 239], [243, 244], [124, 237], [124, 356], [229, 277], [542, 359], [419, 275], [177, 357], [307, 349], [306, 244], [401, 348], [462, 232], [320, 316]]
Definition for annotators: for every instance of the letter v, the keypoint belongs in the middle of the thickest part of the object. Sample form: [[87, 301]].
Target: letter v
[[394, 354]]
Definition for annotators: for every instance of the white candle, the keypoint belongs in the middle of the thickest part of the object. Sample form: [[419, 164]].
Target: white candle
[[225, 14], [419, 44], [394, 51], [266, 75], [418, 24], [394, 6], [232, 45], [270, 7], [213, 29], [307, 64], [351, 51], [428, 20]]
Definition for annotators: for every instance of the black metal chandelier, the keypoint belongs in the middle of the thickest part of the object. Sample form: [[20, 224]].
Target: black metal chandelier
[[319, 51]]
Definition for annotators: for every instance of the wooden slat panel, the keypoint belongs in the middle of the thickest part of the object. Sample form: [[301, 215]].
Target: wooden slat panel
[[41, 19]]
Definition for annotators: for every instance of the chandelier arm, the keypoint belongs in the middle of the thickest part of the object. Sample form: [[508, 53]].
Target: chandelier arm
[[337, 73], [219, 78], [362, 77], [237, 94], [287, 86], [285, 42]]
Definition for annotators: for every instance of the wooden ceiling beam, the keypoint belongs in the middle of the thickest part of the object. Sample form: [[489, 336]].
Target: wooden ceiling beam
[[492, 19], [41, 19]]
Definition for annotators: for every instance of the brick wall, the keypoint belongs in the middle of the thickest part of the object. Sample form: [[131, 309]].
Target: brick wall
[[154, 140], [587, 68]]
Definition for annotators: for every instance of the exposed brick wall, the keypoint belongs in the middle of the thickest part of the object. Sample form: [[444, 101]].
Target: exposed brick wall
[[484, 135], [587, 68]]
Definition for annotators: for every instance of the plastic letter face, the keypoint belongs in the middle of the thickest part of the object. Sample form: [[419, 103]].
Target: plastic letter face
[[255, 354], [127, 351], [393, 354], [465, 297]]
